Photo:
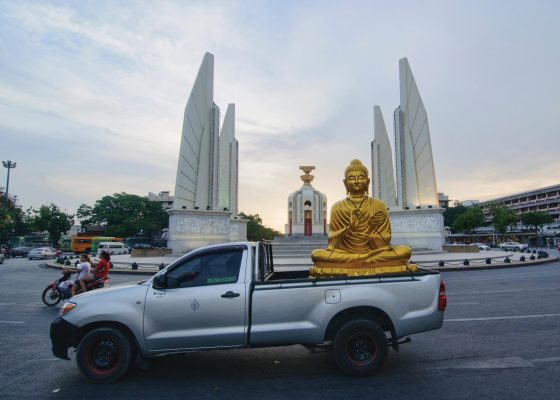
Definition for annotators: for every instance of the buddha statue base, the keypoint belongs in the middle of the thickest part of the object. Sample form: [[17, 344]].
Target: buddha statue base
[[332, 271]]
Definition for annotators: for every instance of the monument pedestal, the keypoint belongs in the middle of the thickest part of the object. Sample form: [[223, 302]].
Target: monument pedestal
[[419, 229], [237, 229], [190, 229]]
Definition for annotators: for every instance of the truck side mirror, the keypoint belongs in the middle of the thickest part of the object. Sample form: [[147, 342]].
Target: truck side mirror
[[160, 281]]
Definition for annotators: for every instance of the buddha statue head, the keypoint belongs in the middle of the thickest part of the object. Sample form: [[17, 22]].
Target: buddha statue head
[[356, 178]]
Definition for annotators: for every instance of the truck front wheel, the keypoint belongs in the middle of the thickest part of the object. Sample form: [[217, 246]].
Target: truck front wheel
[[104, 355], [360, 348]]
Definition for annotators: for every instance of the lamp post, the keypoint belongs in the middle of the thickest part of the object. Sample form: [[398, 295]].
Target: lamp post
[[8, 164]]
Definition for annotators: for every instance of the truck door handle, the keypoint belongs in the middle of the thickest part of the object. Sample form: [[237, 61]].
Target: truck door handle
[[230, 295]]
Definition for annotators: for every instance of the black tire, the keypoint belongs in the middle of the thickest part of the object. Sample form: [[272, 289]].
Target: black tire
[[104, 355], [360, 348], [51, 296]]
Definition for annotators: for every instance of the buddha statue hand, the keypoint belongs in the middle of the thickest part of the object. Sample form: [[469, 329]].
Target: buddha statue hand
[[354, 220]]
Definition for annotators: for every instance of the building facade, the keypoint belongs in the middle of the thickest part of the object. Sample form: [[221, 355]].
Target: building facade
[[545, 199], [163, 198]]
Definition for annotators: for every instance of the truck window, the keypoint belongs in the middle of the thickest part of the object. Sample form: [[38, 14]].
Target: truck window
[[265, 266], [212, 268]]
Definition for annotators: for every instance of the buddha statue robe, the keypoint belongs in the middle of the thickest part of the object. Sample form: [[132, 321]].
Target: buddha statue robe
[[359, 242]]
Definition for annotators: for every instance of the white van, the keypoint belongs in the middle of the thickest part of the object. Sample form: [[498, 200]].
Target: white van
[[112, 248]]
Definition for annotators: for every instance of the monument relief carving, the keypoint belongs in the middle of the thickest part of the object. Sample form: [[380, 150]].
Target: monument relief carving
[[202, 226], [420, 223]]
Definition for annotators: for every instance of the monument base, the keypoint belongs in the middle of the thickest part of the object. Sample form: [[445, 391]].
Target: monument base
[[190, 229], [419, 229], [237, 229], [327, 272]]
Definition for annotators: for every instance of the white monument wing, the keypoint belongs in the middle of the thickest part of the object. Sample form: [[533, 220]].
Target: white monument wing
[[383, 178], [419, 175], [228, 171], [193, 170]]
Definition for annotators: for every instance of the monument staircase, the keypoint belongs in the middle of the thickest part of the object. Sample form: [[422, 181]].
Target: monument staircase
[[284, 247]]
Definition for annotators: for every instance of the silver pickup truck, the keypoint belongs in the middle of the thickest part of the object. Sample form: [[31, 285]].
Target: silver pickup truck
[[229, 296]]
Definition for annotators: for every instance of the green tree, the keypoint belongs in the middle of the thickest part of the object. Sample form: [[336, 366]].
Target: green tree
[[473, 217], [13, 220], [502, 217], [536, 220], [125, 215], [451, 213], [51, 219], [256, 230], [6, 223]]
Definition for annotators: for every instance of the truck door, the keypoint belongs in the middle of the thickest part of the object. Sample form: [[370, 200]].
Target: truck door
[[199, 302]]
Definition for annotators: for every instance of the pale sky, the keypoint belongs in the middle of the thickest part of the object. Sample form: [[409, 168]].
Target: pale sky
[[92, 93]]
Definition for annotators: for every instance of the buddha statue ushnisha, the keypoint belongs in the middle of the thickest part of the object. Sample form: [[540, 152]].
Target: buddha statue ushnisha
[[360, 234]]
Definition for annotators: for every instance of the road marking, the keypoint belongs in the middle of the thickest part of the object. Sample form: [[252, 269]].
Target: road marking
[[21, 304], [496, 363], [546, 360], [5, 371], [11, 322], [499, 318], [511, 276], [499, 291]]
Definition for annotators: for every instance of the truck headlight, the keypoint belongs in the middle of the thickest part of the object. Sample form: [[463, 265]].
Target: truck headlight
[[66, 308]]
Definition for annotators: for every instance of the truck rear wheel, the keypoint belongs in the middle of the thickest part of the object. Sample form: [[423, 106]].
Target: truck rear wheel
[[360, 348], [104, 355]]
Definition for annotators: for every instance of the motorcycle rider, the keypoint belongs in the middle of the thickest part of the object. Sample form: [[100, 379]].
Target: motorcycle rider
[[82, 269], [100, 271]]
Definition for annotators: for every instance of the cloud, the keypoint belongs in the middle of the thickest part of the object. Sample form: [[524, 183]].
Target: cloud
[[101, 86]]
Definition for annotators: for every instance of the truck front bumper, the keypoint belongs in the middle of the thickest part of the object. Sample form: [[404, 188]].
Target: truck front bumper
[[63, 336]]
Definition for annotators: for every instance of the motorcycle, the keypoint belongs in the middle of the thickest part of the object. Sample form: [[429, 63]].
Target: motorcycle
[[61, 288]]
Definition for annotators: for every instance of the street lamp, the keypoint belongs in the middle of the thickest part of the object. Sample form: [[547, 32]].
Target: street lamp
[[8, 164]]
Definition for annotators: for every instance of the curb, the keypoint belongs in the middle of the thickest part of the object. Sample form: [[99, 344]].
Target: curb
[[513, 264]]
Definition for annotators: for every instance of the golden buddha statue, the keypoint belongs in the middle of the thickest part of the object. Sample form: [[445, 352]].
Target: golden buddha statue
[[360, 233]]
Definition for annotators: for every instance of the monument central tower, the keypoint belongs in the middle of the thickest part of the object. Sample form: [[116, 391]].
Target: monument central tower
[[307, 209]]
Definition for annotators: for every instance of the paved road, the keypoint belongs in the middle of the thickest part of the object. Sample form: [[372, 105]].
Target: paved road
[[500, 341]]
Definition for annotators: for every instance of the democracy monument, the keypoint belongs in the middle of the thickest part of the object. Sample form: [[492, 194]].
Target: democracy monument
[[416, 217], [404, 207], [206, 189]]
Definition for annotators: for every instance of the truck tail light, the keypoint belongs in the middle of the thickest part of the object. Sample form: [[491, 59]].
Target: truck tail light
[[442, 303]]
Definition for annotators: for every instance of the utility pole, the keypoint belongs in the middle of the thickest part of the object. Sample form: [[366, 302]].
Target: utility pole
[[10, 165]]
